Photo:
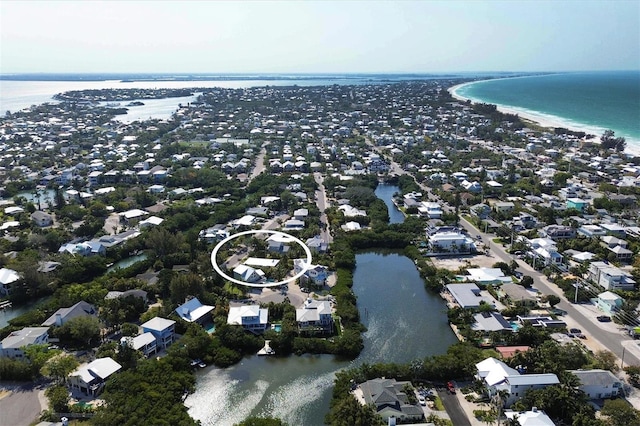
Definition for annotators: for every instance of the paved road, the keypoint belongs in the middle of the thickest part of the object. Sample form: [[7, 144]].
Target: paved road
[[454, 410], [21, 407], [611, 341], [321, 202], [259, 167]]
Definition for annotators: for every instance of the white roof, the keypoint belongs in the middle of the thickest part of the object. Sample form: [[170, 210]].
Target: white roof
[[246, 220], [258, 261], [24, 337], [7, 276], [131, 214], [312, 310], [153, 220], [530, 418], [238, 313], [487, 274], [140, 341], [607, 295], [533, 379], [101, 367], [192, 310], [158, 324], [494, 371]]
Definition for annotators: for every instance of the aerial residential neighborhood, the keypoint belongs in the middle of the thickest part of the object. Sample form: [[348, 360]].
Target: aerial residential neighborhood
[[526, 237]]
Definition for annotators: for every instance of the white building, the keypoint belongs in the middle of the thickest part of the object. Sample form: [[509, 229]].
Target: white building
[[12, 345], [450, 242], [250, 317], [89, 379]]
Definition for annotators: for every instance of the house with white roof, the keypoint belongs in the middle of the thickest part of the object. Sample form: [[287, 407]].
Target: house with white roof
[[251, 317], [534, 417], [132, 217], [498, 376], [248, 274], [8, 279], [150, 222], [145, 343], [450, 242], [315, 316], [12, 345], [162, 329], [194, 311], [609, 302], [610, 277], [90, 378], [316, 274], [487, 276]]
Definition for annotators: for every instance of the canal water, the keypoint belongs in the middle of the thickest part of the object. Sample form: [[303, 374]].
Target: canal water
[[126, 262], [403, 322], [385, 192]]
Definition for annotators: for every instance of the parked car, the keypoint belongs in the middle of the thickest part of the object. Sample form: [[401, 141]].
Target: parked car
[[575, 331], [604, 318], [451, 387], [422, 401]]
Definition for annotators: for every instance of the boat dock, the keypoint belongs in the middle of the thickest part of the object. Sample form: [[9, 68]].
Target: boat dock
[[5, 305], [267, 350]]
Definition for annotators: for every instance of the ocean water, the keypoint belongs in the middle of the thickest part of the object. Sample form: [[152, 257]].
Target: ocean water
[[592, 102]]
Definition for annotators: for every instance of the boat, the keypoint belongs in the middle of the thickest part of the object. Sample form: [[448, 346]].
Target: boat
[[267, 350]]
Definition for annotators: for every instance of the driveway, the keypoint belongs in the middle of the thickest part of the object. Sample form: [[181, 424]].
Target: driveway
[[22, 405]]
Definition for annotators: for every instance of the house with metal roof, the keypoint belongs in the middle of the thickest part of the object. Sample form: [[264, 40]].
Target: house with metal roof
[[90, 378], [499, 377], [598, 384], [534, 417], [467, 295], [12, 345], [194, 311], [315, 315], [251, 317]]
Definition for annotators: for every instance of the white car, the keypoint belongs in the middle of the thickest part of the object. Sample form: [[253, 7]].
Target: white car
[[422, 401]]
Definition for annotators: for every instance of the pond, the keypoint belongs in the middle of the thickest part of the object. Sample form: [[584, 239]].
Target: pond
[[403, 322], [385, 192]]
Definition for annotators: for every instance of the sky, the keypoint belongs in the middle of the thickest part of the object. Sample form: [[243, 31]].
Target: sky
[[318, 36]]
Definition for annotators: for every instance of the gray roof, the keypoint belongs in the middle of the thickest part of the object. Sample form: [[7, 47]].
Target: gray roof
[[24, 337], [467, 295], [491, 321], [388, 393], [517, 292], [595, 377], [80, 309]]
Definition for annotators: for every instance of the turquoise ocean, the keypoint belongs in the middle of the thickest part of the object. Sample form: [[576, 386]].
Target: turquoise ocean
[[587, 101]]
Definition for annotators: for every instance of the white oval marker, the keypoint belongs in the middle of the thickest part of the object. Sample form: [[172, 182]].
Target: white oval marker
[[217, 248]]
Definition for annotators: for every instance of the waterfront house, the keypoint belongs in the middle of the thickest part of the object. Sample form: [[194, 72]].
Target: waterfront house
[[486, 276], [194, 311], [389, 398], [251, 317], [516, 293], [315, 316], [90, 378], [12, 345], [499, 377], [490, 321], [467, 295], [63, 315], [8, 280], [598, 384], [162, 329], [450, 242]]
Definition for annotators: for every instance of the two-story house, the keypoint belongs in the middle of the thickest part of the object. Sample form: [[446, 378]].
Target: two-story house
[[162, 329], [251, 317], [315, 316]]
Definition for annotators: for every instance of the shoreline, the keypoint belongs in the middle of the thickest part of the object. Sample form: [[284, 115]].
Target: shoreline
[[546, 120]]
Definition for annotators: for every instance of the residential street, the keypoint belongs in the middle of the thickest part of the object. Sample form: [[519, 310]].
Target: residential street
[[321, 202], [606, 339], [22, 406]]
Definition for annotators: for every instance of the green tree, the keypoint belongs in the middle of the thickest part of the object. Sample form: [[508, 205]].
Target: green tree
[[84, 330], [58, 398], [59, 367], [620, 412], [349, 412], [609, 141], [552, 300]]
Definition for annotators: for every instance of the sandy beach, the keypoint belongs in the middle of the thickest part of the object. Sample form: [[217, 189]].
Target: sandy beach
[[545, 120]]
